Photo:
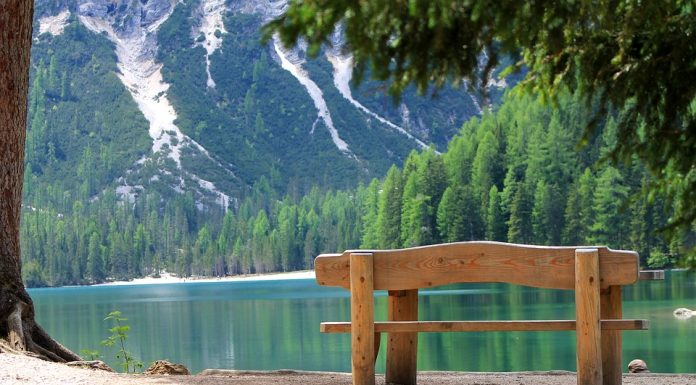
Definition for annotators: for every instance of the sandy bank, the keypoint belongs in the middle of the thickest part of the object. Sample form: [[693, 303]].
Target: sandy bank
[[169, 278], [16, 370]]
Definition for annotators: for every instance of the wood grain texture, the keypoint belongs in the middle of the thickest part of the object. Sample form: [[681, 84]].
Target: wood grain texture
[[587, 313], [362, 314], [484, 326], [15, 47], [610, 308], [435, 265], [402, 305]]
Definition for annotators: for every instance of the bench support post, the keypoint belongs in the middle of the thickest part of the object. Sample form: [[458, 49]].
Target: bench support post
[[362, 314], [402, 347], [587, 311], [611, 339]]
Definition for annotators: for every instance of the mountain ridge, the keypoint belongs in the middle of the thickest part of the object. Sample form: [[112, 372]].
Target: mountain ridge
[[203, 82]]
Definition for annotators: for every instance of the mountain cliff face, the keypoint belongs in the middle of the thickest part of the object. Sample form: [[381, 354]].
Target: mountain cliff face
[[181, 96]]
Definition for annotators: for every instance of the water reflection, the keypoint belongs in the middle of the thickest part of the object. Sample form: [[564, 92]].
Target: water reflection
[[275, 324]]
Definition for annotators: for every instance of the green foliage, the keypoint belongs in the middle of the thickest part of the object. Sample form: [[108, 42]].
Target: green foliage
[[495, 225], [660, 260], [81, 117], [633, 57], [119, 333], [80, 240], [389, 212], [264, 114], [90, 354]]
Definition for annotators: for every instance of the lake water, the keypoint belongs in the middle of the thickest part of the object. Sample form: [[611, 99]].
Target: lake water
[[275, 324]]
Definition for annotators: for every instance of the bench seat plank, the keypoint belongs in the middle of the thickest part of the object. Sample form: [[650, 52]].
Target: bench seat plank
[[483, 326], [461, 262]]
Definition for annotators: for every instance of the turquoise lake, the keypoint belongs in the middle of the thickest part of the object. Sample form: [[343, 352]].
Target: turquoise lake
[[275, 325]]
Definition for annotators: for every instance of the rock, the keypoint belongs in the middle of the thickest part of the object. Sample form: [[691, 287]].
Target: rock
[[154, 10], [94, 9], [638, 366], [95, 364], [684, 313], [163, 367]]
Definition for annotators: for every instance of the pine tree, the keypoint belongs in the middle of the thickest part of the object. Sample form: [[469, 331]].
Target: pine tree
[[95, 264], [485, 168], [573, 229], [370, 208], [610, 224], [520, 222], [432, 181], [389, 213], [415, 215], [495, 222], [460, 154], [449, 220]]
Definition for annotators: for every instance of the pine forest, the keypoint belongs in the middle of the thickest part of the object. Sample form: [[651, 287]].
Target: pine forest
[[521, 174]]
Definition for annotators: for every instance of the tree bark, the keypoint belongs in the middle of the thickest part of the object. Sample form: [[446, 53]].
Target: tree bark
[[18, 330]]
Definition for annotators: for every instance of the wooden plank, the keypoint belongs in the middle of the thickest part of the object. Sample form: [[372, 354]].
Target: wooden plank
[[435, 265], [610, 308], [587, 313], [402, 347], [651, 275], [362, 315], [484, 326]]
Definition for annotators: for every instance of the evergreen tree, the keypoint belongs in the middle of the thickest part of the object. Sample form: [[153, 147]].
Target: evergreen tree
[[610, 224], [495, 222], [520, 222], [370, 208], [474, 226], [432, 181], [389, 213], [485, 167], [415, 215], [95, 264], [450, 219], [573, 230], [460, 154]]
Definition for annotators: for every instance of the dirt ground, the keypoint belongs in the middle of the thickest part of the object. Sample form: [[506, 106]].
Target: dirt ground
[[16, 370]]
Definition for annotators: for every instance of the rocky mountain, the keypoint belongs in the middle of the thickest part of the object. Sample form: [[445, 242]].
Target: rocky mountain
[[177, 96]]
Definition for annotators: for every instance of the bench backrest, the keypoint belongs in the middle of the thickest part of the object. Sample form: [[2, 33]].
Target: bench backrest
[[427, 266]]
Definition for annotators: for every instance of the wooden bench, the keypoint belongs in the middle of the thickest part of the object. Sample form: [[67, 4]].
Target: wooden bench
[[595, 273]]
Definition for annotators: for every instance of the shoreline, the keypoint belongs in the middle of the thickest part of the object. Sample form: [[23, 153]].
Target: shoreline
[[166, 278], [24, 370]]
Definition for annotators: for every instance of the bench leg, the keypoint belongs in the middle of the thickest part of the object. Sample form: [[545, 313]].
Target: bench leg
[[362, 314], [587, 312], [611, 339], [402, 348]]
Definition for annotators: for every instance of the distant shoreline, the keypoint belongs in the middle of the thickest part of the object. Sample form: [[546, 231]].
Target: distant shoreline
[[166, 278]]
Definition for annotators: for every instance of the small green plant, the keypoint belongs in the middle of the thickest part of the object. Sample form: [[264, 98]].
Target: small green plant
[[119, 333], [90, 354]]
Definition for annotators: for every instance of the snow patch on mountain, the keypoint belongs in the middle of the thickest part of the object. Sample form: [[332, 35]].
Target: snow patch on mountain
[[342, 75], [221, 198], [211, 30], [142, 77], [292, 63], [54, 24]]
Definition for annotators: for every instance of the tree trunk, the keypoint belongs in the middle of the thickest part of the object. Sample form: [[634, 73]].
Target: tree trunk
[[18, 330]]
